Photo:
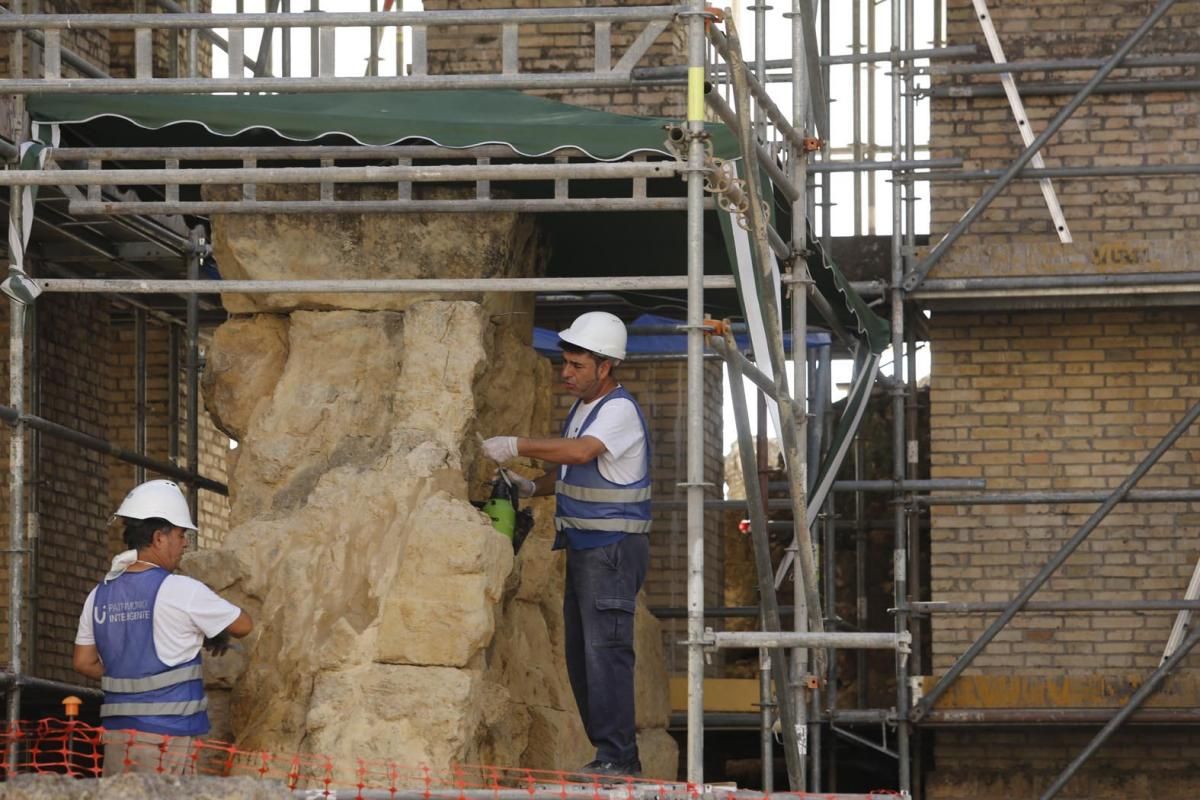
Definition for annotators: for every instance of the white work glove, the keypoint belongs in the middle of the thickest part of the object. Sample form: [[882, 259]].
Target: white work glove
[[525, 487], [500, 448]]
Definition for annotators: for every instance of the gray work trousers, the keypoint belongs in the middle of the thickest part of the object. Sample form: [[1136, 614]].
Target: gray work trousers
[[598, 611]]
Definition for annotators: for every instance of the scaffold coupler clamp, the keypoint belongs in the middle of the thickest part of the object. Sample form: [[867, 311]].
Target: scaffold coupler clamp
[[199, 246], [710, 14]]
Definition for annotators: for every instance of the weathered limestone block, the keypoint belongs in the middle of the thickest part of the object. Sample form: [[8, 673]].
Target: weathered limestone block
[[369, 246], [417, 715], [439, 612], [332, 404], [391, 620], [242, 367]]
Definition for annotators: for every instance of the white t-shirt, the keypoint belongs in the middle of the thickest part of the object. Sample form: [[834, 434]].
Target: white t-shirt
[[618, 427], [185, 613]]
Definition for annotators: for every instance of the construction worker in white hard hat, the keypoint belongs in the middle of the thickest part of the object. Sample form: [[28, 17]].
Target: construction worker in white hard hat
[[140, 635], [602, 486]]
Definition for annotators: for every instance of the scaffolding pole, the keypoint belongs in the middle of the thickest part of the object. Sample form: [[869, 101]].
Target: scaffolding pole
[[384, 285], [695, 21], [774, 641], [799, 289], [16, 398], [14, 417], [899, 460]]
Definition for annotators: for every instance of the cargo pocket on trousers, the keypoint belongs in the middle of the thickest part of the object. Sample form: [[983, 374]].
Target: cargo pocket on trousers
[[616, 615]]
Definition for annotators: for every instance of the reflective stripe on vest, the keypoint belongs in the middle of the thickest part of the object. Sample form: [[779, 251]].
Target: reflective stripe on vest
[[588, 502], [163, 679], [605, 525], [636, 495], [181, 709]]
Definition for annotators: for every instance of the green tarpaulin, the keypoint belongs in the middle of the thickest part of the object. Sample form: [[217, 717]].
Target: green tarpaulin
[[533, 126]]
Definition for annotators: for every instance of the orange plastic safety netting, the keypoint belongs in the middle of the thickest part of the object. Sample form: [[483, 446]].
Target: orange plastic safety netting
[[54, 746], [59, 747]]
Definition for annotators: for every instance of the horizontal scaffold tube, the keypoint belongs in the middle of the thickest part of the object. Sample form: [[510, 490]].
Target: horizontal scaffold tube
[[367, 286], [721, 70], [985, 607], [1038, 498], [412, 83], [300, 152], [445, 173], [354, 19], [1058, 716], [483, 206], [13, 417], [1061, 65], [836, 640], [29, 682]]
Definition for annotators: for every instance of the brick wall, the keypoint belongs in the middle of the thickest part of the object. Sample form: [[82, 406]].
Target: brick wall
[[91, 45], [1120, 224], [112, 51], [71, 497], [170, 47], [1060, 401], [559, 47], [1056, 399], [120, 388], [1023, 764], [660, 388]]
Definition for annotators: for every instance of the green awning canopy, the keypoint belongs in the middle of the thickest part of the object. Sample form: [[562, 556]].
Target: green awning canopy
[[532, 126]]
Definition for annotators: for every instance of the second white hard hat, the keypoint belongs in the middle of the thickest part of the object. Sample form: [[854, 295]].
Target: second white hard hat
[[160, 499], [598, 331]]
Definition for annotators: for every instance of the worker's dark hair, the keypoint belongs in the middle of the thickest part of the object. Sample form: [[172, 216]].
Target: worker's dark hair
[[575, 349], [139, 533]]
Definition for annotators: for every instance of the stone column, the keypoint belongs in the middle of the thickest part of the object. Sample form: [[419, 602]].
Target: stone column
[[392, 621]]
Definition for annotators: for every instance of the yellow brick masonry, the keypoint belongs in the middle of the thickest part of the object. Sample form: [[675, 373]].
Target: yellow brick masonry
[[1110, 129], [214, 446], [1058, 401], [1062, 401], [556, 47], [1066, 400]]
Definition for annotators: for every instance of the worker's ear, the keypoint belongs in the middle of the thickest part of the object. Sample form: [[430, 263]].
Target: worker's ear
[[604, 368]]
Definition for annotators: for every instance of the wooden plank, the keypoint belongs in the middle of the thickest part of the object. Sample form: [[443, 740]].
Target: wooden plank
[[1063, 691], [720, 694]]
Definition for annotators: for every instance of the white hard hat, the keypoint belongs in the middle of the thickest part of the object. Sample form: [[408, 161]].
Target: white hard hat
[[599, 332], [161, 499]]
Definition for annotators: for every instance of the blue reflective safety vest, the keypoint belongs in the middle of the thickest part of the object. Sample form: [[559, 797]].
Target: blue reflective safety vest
[[140, 691], [593, 511]]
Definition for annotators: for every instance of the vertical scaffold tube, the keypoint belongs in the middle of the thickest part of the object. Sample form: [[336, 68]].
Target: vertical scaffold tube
[[900, 553], [16, 442], [16, 493], [903, 621], [695, 391], [798, 172], [193, 368]]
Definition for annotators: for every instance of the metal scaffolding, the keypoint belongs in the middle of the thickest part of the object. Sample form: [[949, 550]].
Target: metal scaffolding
[[797, 671]]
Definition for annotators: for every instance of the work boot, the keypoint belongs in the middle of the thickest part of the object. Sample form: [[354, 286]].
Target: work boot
[[613, 769]]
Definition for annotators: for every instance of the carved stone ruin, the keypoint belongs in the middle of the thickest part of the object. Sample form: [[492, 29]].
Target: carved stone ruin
[[392, 621]]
